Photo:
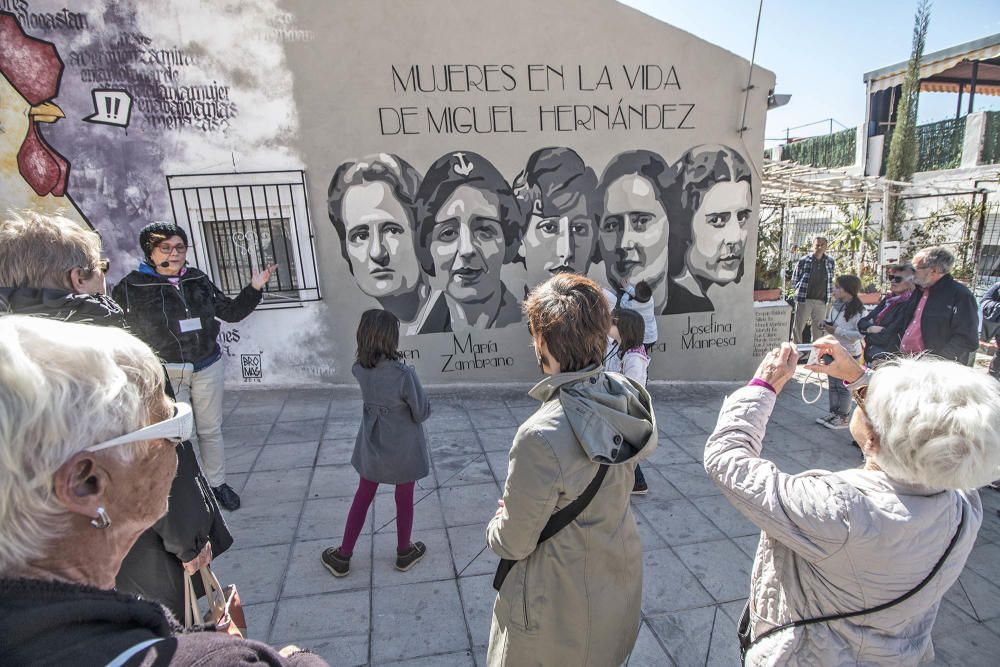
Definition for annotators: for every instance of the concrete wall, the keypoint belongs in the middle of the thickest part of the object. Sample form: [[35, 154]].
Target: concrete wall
[[456, 101]]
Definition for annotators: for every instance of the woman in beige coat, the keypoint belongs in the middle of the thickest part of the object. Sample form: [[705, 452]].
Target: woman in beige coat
[[575, 598], [859, 540]]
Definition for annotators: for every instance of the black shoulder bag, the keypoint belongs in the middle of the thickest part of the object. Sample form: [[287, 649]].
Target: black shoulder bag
[[743, 628], [556, 522]]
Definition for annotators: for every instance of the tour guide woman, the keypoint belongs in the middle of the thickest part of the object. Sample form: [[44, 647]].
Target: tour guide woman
[[858, 560], [173, 308]]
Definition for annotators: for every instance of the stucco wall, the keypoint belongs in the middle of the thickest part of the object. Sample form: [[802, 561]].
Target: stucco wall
[[457, 97]]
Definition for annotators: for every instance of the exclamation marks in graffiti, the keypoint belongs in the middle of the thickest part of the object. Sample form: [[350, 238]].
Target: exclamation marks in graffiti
[[117, 106], [111, 107]]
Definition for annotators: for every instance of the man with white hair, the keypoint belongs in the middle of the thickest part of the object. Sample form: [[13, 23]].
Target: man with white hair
[[51, 266], [942, 315]]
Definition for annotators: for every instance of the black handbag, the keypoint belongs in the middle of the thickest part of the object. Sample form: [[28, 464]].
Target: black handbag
[[743, 627], [556, 522]]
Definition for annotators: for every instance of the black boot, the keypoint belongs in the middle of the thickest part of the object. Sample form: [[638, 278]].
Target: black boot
[[639, 488], [228, 499]]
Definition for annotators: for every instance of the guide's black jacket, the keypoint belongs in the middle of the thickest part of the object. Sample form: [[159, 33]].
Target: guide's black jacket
[[154, 308]]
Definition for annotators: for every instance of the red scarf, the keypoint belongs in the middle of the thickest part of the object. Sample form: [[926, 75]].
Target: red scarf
[[890, 303]]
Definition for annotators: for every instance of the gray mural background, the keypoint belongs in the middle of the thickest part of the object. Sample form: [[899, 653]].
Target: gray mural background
[[219, 87]]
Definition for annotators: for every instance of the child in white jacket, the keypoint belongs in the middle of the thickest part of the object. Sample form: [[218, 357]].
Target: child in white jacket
[[632, 361], [842, 322]]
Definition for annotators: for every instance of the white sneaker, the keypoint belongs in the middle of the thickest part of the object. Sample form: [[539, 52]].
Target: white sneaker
[[838, 422], [822, 421]]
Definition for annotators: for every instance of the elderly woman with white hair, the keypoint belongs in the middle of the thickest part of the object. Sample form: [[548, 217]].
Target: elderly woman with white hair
[[852, 565], [43, 274], [86, 462]]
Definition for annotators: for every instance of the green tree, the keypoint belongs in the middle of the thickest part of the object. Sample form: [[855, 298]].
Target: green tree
[[852, 239], [902, 160]]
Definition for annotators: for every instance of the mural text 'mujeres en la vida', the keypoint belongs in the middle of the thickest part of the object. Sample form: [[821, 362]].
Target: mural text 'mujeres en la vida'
[[568, 116]]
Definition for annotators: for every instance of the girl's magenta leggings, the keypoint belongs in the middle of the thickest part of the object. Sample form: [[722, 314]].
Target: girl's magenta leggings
[[359, 510]]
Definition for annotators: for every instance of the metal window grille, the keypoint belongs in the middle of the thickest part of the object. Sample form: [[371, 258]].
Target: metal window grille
[[239, 223], [988, 263]]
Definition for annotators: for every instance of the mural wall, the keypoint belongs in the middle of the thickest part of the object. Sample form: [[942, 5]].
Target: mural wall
[[455, 154]]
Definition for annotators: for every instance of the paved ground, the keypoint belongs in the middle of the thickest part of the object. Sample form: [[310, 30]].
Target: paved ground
[[289, 453]]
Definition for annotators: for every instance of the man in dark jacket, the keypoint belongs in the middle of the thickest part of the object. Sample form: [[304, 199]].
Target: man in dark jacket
[[991, 324], [63, 259], [173, 308], [942, 317]]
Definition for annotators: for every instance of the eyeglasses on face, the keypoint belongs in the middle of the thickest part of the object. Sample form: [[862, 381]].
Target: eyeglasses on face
[[168, 249], [103, 265], [899, 279], [176, 429]]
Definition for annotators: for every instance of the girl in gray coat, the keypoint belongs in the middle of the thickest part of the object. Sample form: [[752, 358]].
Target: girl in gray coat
[[391, 446]]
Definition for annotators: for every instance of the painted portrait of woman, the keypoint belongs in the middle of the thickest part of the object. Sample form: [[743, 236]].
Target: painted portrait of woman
[[633, 226], [372, 205], [470, 226], [710, 208], [556, 193]]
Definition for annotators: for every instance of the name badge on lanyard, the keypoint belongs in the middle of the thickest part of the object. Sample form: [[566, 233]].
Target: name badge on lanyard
[[190, 324]]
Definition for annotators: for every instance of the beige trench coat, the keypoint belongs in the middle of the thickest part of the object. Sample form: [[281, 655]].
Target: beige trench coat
[[575, 599]]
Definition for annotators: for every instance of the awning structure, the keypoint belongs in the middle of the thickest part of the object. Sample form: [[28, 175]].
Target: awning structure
[[792, 184], [949, 70]]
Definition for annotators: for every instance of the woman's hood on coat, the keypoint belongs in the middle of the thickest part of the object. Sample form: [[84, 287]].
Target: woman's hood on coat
[[611, 416]]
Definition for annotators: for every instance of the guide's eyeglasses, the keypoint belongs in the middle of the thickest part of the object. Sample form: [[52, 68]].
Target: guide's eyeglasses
[[168, 249], [103, 265], [176, 429]]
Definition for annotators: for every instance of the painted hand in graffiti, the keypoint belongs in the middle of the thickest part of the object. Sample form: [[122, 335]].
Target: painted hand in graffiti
[[261, 278]]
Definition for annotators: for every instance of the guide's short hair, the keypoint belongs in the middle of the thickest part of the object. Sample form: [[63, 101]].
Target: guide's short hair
[[698, 171], [570, 313], [394, 171], [447, 174]]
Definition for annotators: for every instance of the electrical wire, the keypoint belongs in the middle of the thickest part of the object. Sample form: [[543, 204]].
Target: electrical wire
[[753, 58]]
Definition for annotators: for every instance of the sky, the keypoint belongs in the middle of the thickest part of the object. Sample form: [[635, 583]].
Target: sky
[[819, 51]]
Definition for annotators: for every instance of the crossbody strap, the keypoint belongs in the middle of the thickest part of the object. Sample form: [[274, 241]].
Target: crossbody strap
[[881, 607], [556, 522], [565, 516]]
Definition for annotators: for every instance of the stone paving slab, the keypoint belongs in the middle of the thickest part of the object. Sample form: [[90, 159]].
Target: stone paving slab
[[288, 453]]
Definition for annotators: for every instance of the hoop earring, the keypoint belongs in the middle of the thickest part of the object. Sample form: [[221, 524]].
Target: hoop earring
[[102, 520]]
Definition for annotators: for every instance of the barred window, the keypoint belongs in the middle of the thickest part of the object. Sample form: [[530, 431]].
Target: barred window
[[240, 223]]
